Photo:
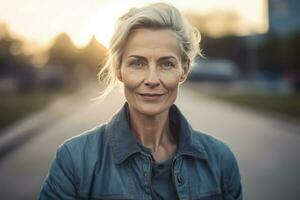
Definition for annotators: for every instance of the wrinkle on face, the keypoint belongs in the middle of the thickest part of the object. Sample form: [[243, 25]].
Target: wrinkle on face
[[151, 47]]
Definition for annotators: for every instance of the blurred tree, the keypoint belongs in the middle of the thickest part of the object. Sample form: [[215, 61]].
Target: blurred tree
[[13, 62], [270, 56], [293, 52], [63, 52], [219, 30], [93, 55], [63, 57], [78, 63], [280, 54], [229, 47]]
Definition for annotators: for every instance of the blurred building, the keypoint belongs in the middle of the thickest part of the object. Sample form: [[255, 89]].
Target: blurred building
[[284, 16]]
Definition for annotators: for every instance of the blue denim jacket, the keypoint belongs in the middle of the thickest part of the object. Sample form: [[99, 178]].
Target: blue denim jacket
[[107, 163]]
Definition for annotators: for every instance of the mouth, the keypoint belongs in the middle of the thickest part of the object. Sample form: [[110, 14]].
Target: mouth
[[151, 96]]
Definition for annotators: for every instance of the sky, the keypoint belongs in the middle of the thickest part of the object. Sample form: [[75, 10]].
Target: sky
[[40, 21]]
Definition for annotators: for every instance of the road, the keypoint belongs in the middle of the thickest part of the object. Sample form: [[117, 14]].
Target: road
[[266, 148]]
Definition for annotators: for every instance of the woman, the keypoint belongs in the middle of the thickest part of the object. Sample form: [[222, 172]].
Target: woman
[[148, 150]]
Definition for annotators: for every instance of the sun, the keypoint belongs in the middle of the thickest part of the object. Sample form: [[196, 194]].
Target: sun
[[101, 25]]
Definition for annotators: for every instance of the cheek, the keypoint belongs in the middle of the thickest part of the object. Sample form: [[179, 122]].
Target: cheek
[[170, 79], [131, 79]]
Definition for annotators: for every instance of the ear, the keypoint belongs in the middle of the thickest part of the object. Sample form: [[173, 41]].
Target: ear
[[185, 71], [119, 75]]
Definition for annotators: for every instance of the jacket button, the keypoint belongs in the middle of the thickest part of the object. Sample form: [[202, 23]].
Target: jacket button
[[180, 179]]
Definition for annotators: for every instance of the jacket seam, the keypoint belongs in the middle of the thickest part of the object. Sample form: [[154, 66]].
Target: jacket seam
[[224, 187], [76, 178]]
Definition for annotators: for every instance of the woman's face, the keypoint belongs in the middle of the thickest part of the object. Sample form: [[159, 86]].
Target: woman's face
[[151, 70]]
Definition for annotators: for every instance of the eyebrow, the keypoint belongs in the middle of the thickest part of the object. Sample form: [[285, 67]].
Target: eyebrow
[[167, 57], [161, 58], [137, 56]]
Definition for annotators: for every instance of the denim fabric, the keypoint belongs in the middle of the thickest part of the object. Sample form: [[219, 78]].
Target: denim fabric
[[108, 163], [162, 181], [161, 177]]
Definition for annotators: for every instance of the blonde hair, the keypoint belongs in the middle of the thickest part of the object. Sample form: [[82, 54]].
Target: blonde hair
[[153, 16]]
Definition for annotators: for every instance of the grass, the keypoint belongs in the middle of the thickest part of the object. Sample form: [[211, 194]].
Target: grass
[[288, 105], [16, 105]]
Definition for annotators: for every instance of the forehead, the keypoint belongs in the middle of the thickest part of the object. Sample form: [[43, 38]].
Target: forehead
[[160, 42]]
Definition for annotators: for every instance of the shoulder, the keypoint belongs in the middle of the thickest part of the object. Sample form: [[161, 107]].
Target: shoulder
[[88, 140], [221, 155], [216, 149], [210, 142]]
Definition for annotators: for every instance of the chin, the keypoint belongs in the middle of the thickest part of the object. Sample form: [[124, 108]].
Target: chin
[[151, 109]]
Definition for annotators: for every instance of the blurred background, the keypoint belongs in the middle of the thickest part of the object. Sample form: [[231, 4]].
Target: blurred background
[[245, 91]]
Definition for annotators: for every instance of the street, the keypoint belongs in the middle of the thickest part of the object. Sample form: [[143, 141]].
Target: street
[[267, 148]]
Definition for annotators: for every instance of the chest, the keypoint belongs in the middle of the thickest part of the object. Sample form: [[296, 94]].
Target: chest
[[135, 179]]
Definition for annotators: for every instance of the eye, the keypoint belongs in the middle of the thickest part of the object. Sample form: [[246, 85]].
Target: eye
[[136, 64], [167, 64]]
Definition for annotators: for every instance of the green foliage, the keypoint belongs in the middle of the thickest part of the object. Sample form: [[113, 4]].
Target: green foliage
[[288, 105], [14, 106], [229, 47], [280, 54]]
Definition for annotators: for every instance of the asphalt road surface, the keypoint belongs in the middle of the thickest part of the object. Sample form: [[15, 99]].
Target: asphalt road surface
[[267, 148]]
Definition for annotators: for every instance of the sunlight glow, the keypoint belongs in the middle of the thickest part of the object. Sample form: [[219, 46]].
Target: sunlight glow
[[41, 22], [100, 25]]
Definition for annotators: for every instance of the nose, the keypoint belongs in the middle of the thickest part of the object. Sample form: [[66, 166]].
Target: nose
[[152, 78]]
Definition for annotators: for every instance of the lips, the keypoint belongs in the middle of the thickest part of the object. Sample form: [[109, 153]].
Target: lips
[[151, 96]]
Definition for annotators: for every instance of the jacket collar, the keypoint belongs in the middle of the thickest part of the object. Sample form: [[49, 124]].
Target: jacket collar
[[124, 143]]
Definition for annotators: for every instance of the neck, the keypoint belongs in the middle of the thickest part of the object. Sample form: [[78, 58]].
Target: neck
[[151, 131]]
